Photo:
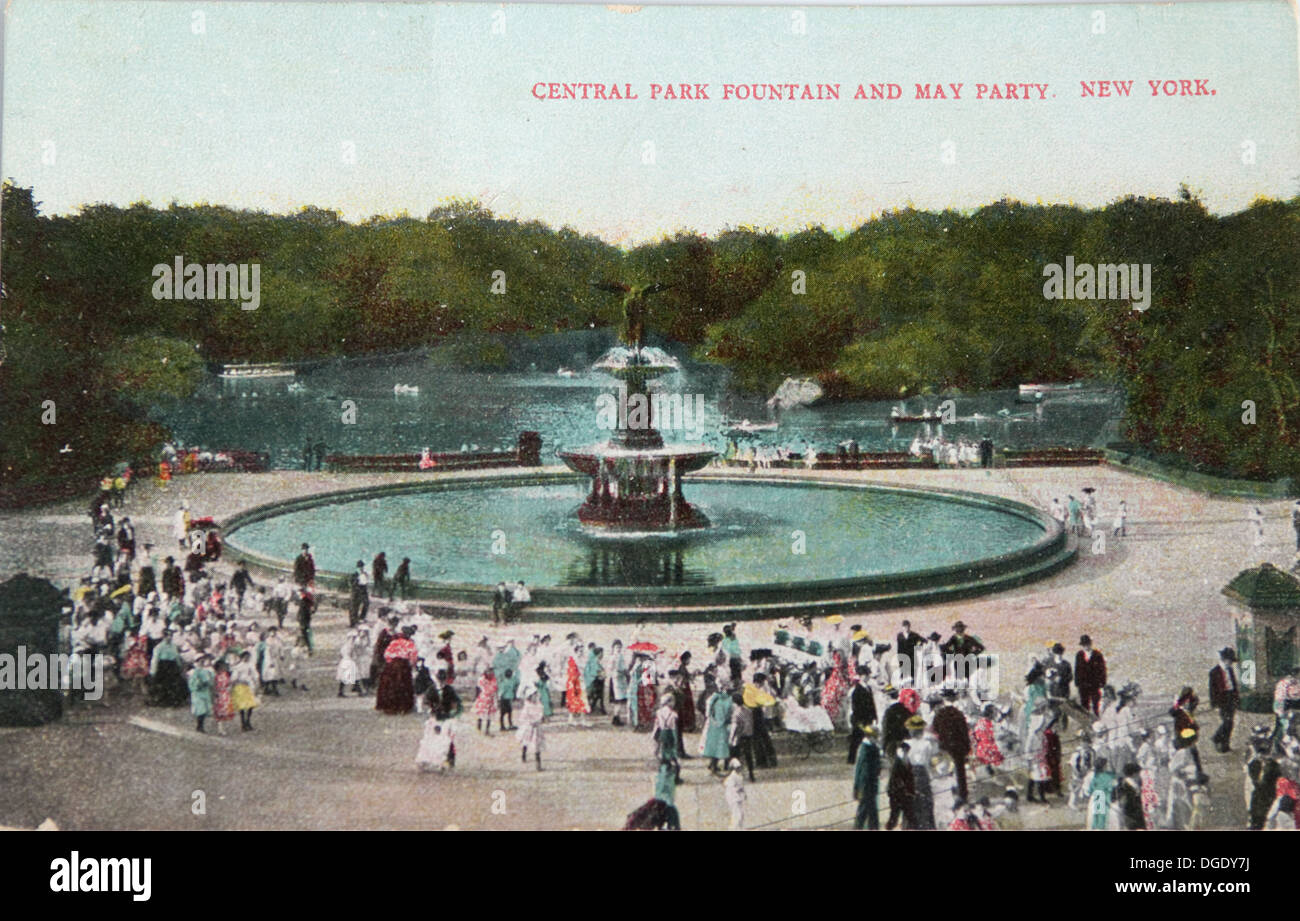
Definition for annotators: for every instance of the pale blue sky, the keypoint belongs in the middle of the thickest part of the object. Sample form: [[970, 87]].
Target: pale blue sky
[[255, 111]]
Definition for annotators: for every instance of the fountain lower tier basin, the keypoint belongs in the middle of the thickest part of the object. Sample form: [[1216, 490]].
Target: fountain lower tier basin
[[772, 548]]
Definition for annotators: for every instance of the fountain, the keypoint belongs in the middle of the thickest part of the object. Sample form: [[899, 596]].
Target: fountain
[[638, 550], [636, 479]]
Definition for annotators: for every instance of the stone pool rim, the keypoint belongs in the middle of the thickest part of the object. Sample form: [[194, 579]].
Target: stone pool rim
[[748, 601]]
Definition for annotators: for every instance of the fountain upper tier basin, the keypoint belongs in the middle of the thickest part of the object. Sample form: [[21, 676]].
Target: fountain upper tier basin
[[689, 458], [776, 547], [644, 363]]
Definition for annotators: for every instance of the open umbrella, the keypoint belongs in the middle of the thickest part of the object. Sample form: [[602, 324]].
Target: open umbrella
[[643, 647]]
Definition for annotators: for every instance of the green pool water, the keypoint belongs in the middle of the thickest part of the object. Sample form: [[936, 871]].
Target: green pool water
[[762, 532]]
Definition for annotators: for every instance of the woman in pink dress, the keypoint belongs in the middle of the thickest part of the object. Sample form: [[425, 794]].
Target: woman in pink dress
[[395, 693], [135, 666], [836, 686], [485, 704], [985, 740], [223, 708]]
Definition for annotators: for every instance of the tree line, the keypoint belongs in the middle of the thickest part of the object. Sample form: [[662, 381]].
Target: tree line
[[909, 302]]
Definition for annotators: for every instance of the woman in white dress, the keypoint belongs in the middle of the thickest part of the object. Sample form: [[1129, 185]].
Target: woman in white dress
[[434, 753], [348, 671], [530, 728]]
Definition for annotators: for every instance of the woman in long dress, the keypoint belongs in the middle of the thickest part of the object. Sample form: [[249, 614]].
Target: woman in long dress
[[349, 670], [268, 661], [618, 681], [543, 686], [135, 667], [645, 696], [1097, 790], [717, 747], [434, 753], [485, 703], [396, 693], [1040, 772], [575, 691], [984, 737], [836, 686], [688, 721], [243, 687], [200, 688], [223, 710], [921, 755], [167, 685], [530, 728], [1147, 762]]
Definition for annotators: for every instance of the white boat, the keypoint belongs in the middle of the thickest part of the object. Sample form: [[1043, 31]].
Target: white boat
[[566, 372], [746, 426], [1033, 393], [248, 370], [405, 388]]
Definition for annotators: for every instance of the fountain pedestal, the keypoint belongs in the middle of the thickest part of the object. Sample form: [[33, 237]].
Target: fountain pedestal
[[636, 480]]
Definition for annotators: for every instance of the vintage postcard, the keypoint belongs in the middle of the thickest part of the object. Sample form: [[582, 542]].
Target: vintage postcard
[[514, 417]]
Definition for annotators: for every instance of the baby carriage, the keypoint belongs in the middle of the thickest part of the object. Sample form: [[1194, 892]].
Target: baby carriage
[[807, 721]]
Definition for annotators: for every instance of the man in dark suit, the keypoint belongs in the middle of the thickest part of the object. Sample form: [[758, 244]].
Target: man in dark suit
[[1058, 674], [961, 643], [172, 583], [1128, 793], [862, 711], [866, 781], [905, 644], [1225, 696], [954, 737], [444, 704], [1089, 675], [304, 567]]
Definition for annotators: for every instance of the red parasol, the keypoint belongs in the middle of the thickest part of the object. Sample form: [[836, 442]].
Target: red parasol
[[643, 647]]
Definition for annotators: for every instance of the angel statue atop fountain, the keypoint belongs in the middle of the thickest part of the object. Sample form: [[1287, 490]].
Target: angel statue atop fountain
[[635, 309]]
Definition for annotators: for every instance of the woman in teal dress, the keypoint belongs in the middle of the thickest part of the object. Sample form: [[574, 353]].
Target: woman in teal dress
[[1099, 792], [716, 744], [200, 684], [544, 690], [1035, 688], [666, 793]]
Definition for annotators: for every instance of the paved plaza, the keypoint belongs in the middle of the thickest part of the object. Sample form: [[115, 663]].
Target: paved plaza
[[1152, 603]]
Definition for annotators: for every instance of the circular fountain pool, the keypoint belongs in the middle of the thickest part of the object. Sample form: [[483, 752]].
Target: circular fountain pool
[[774, 548]]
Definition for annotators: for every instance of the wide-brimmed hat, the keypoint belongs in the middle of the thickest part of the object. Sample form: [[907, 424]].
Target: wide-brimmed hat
[[915, 722], [1227, 652]]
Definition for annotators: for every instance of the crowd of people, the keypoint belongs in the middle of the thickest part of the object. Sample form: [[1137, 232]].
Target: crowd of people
[[964, 452], [927, 729], [180, 635]]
